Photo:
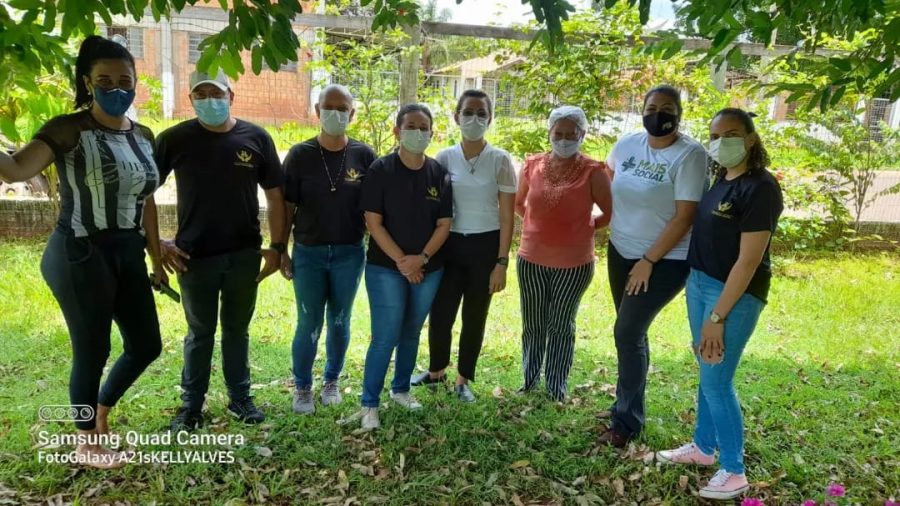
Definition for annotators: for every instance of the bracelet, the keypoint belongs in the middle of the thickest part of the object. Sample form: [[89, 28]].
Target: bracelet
[[651, 262]]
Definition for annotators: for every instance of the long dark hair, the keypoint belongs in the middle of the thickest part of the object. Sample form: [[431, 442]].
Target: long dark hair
[[408, 108], [669, 91], [759, 157], [92, 49]]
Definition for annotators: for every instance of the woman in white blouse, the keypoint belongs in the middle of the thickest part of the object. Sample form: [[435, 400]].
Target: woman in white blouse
[[477, 252]]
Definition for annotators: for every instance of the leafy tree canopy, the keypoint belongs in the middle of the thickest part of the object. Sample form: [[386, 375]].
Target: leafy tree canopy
[[33, 35]]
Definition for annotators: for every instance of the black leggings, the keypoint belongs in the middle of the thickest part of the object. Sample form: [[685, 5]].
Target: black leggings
[[470, 259], [96, 280], [634, 314]]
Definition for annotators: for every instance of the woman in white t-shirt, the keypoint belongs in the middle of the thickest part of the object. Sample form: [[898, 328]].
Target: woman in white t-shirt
[[477, 252], [658, 177]]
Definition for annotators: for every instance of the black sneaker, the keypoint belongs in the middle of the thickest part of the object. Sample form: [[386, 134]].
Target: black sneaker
[[246, 411], [425, 379], [187, 419]]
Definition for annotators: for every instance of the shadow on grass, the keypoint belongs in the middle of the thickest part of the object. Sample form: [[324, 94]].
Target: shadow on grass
[[806, 426]]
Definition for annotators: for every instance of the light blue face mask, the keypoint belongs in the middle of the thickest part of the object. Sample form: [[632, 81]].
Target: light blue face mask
[[415, 141], [212, 111]]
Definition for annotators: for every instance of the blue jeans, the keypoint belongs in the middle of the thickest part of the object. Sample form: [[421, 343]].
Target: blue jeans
[[719, 420], [398, 310], [325, 278]]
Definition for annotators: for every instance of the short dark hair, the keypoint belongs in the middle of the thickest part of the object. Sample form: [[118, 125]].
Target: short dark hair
[[92, 49], [669, 91], [475, 94], [408, 108], [759, 157]]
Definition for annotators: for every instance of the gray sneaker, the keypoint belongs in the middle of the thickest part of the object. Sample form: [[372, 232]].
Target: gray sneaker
[[331, 394], [303, 402], [464, 393]]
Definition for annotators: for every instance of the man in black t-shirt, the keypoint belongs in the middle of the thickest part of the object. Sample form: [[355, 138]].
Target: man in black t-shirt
[[323, 179], [218, 162]]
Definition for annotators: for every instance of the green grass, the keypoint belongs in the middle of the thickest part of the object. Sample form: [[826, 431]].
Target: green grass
[[818, 385]]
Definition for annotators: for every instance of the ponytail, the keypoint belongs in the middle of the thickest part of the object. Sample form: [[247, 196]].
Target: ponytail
[[92, 49]]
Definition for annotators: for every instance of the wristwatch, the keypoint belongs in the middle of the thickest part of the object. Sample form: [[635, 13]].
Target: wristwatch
[[716, 318], [504, 261], [425, 258], [280, 247]]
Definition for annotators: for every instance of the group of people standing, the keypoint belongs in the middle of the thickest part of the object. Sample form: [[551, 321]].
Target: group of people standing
[[440, 231]]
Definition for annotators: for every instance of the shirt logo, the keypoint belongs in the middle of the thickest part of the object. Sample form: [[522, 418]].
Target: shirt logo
[[722, 210], [650, 171], [433, 194], [352, 176], [244, 158]]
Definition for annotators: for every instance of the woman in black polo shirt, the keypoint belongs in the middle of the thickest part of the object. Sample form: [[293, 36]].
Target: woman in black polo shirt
[[726, 292], [408, 204]]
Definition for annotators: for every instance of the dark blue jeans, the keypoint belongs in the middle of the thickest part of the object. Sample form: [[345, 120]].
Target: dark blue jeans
[[231, 277], [398, 309], [98, 280], [325, 282]]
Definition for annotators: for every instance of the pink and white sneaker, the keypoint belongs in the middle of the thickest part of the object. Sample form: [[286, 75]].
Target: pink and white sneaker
[[687, 454], [724, 485]]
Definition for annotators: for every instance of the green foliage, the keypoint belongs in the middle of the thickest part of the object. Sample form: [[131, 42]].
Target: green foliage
[[153, 105], [871, 26], [847, 157], [594, 70], [369, 67]]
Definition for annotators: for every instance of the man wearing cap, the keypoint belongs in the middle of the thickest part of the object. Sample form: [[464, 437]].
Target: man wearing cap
[[218, 162]]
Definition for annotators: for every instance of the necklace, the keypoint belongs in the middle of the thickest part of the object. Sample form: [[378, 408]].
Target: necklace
[[328, 171], [472, 165]]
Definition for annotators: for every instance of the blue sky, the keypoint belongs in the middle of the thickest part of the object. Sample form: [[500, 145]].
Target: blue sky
[[505, 12]]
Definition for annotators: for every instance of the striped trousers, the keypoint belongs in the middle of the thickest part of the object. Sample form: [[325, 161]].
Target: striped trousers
[[550, 299]]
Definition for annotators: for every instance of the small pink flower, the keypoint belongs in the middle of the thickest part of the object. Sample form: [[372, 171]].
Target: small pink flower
[[835, 490], [809, 502], [891, 503], [752, 502]]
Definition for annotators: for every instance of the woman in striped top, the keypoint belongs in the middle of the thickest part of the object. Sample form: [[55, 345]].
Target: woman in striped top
[[94, 260]]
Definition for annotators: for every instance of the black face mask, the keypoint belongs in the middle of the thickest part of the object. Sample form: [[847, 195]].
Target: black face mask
[[660, 124]]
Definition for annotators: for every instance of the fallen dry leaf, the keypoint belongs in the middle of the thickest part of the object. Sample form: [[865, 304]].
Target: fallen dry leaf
[[263, 451], [683, 482], [519, 464], [619, 487]]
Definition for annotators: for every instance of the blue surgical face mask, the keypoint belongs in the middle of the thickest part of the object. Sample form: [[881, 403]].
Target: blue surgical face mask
[[114, 102], [212, 111]]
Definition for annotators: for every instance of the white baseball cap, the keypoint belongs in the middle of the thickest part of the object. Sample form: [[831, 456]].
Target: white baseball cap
[[219, 81]]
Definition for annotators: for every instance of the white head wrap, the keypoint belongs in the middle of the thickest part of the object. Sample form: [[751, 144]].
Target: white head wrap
[[569, 112]]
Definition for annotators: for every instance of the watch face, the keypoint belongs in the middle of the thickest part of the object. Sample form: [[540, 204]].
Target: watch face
[[503, 261], [715, 318]]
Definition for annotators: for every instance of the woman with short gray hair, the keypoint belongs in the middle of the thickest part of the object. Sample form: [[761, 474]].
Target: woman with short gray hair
[[556, 197]]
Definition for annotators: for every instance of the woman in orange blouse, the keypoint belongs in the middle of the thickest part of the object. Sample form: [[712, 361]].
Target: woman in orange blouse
[[556, 197]]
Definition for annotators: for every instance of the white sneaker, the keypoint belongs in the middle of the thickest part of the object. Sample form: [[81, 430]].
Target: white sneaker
[[406, 400], [370, 419]]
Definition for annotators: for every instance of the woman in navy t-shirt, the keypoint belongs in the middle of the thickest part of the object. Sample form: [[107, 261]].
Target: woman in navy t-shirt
[[726, 292]]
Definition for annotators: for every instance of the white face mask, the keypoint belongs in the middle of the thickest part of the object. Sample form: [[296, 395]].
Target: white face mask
[[334, 122], [728, 151], [565, 148], [415, 141], [473, 127]]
